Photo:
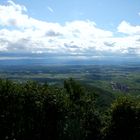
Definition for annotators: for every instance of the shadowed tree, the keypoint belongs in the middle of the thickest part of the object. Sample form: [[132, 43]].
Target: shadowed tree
[[124, 121]]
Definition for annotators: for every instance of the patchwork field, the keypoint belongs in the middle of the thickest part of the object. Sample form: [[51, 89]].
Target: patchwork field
[[113, 78]]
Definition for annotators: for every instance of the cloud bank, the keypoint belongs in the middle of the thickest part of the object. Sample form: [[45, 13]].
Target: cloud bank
[[20, 33]]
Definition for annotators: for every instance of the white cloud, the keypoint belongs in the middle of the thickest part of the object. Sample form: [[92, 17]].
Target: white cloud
[[16, 6], [127, 28], [22, 33], [12, 15]]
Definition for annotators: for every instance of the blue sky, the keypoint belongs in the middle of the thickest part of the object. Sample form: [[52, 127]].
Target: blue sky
[[75, 27], [106, 13]]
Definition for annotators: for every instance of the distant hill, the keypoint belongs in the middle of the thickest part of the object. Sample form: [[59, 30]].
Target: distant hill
[[66, 60]]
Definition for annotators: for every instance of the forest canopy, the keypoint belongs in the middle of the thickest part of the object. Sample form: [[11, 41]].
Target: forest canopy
[[40, 111]]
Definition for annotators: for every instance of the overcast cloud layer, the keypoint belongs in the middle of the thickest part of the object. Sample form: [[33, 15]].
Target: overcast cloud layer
[[20, 33]]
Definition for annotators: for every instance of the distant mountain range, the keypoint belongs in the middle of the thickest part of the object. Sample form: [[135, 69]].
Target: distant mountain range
[[68, 60]]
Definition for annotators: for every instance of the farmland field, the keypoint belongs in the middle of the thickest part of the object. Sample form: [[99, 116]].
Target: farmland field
[[123, 79]]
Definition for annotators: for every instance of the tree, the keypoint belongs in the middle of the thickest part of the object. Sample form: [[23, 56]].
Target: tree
[[124, 120]]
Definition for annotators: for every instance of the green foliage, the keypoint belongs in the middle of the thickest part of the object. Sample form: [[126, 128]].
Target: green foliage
[[81, 108], [124, 120], [74, 89], [40, 111]]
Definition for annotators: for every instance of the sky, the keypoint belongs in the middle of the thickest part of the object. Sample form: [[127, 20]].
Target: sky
[[89, 28]]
